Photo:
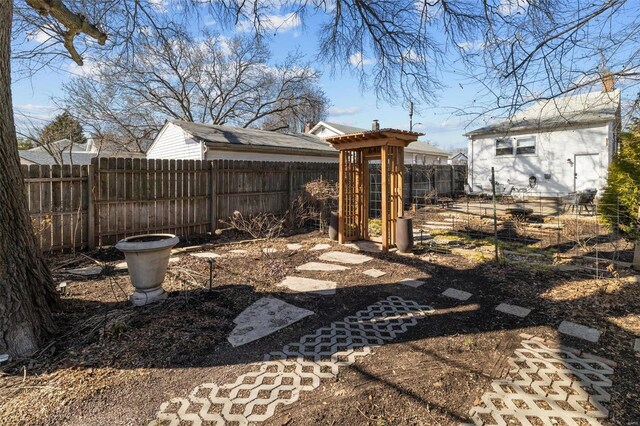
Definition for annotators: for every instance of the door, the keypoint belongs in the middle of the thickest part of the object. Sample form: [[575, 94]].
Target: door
[[586, 172]]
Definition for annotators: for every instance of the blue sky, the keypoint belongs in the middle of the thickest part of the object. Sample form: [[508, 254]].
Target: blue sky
[[441, 123]]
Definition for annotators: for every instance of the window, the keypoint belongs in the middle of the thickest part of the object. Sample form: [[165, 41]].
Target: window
[[525, 146], [516, 146], [504, 147]]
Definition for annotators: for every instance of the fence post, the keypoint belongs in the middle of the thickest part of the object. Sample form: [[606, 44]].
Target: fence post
[[495, 218], [452, 180], [213, 181], [92, 169], [291, 191]]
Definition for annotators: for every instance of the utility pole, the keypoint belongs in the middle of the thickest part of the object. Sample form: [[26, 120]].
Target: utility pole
[[411, 116]]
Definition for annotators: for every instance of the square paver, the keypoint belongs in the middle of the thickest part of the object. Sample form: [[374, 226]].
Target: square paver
[[375, 273], [309, 285], [516, 310], [264, 317], [322, 267], [344, 257], [456, 294], [206, 255], [580, 331], [411, 282]]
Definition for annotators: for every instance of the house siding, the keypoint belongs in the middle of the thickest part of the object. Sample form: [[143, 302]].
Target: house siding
[[213, 154], [553, 149], [174, 143], [323, 132]]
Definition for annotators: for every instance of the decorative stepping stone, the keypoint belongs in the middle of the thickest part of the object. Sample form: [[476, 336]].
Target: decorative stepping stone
[[239, 251], [295, 246], [122, 266], [456, 294], [323, 267], [174, 259], [344, 257], [87, 271], [516, 310], [375, 273], [320, 247], [411, 282], [309, 285], [368, 246], [264, 317], [269, 250], [580, 331], [206, 255]]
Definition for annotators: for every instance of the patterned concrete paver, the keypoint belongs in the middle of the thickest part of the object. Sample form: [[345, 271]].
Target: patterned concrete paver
[[344, 257], [515, 310], [298, 367], [309, 285], [580, 331], [454, 293], [264, 317], [322, 267], [547, 386]]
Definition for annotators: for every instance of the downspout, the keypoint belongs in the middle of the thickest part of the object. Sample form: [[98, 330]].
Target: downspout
[[203, 151], [471, 168]]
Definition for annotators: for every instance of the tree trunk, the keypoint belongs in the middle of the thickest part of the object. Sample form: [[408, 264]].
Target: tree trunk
[[27, 292]]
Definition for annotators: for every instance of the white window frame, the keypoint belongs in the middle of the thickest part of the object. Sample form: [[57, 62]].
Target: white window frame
[[514, 147]]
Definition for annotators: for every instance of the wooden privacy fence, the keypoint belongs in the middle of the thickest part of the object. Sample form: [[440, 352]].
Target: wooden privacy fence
[[75, 207]]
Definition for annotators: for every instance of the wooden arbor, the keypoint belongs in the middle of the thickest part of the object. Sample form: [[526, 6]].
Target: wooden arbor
[[356, 150]]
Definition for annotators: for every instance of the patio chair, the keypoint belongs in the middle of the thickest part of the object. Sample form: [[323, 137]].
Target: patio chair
[[507, 193], [579, 199], [470, 192]]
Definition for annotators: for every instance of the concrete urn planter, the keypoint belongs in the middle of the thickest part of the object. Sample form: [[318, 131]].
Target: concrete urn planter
[[147, 258]]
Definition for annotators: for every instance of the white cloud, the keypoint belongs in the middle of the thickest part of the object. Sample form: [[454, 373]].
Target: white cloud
[[472, 45], [358, 60], [512, 7], [341, 111], [274, 23]]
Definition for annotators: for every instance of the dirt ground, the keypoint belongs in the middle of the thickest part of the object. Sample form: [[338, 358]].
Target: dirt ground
[[113, 364]]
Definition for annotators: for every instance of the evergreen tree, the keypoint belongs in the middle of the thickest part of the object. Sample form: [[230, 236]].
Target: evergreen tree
[[63, 126]]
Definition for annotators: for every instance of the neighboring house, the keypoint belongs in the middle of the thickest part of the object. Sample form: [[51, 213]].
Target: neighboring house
[[44, 158], [185, 140], [415, 153], [458, 158], [551, 148], [66, 152]]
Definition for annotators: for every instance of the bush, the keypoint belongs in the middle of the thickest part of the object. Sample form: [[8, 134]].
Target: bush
[[621, 199]]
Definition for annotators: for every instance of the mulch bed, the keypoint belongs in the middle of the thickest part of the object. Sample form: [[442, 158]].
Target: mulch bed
[[115, 364]]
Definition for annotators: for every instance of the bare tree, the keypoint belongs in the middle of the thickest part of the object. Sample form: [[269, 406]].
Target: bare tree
[[212, 79], [526, 50]]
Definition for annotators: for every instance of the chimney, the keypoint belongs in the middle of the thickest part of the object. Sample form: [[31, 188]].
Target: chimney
[[375, 125], [307, 126], [607, 82]]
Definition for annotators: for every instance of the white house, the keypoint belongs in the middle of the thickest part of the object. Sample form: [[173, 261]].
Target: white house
[[551, 148], [458, 157], [416, 153], [185, 140]]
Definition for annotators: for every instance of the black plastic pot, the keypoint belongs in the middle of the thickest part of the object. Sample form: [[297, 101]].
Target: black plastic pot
[[333, 226], [404, 234]]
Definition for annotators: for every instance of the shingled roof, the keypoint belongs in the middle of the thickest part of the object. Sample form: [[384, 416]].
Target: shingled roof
[[581, 109], [214, 135]]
